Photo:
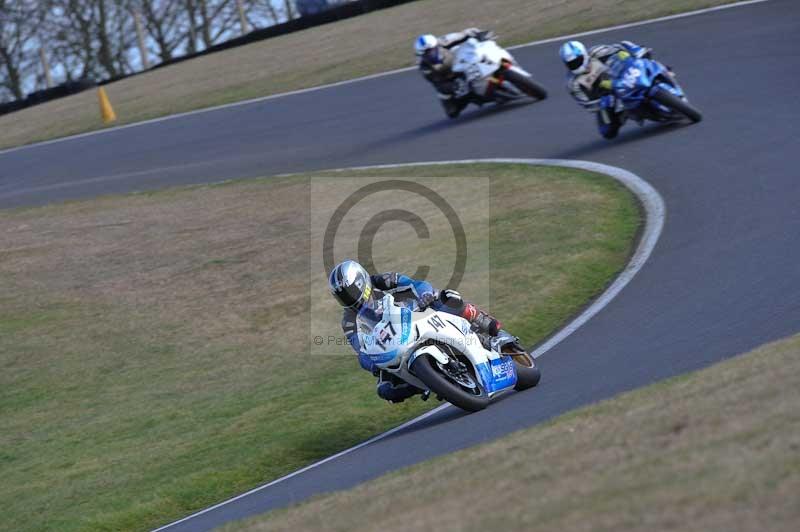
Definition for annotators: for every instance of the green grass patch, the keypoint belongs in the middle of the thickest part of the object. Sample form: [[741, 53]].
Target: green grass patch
[[154, 347]]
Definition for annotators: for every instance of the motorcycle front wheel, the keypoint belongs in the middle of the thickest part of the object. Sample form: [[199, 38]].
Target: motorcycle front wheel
[[429, 372], [676, 104], [525, 84]]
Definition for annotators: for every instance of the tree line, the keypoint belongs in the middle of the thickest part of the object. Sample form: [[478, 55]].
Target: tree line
[[51, 41]]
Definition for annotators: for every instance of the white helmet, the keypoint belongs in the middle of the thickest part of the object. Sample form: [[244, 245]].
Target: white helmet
[[427, 46], [575, 57]]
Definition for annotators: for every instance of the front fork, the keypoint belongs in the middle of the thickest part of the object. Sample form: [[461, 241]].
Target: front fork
[[496, 81]]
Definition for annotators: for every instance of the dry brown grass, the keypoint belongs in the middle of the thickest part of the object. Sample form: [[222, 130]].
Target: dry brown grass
[[203, 259], [322, 55], [154, 348], [716, 450]]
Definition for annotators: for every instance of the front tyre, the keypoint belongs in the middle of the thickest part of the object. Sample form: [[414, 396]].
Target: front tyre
[[428, 372], [677, 104], [525, 84]]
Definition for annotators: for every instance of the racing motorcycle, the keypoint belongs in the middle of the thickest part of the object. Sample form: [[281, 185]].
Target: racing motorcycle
[[648, 90], [492, 74], [439, 353]]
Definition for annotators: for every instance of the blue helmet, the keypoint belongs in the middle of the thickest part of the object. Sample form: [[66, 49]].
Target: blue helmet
[[427, 47], [575, 57]]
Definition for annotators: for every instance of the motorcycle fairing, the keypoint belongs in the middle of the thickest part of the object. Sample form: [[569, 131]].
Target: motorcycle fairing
[[497, 374], [372, 344], [635, 80], [390, 340]]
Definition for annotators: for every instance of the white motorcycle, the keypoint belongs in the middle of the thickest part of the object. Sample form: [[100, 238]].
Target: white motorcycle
[[438, 352], [492, 74]]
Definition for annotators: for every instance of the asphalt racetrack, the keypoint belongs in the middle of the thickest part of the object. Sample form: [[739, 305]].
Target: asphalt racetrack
[[723, 278]]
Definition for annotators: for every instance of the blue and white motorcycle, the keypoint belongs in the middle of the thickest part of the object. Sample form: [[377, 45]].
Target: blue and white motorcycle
[[439, 353], [648, 90]]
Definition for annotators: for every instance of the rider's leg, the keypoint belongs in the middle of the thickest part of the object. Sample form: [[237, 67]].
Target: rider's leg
[[608, 123], [451, 302], [453, 106], [393, 389]]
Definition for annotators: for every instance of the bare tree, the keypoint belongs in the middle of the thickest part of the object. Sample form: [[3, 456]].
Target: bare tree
[[217, 19], [71, 25], [114, 34], [91, 38], [264, 13], [18, 59], [290, 10], [96, 39], [166, 22]]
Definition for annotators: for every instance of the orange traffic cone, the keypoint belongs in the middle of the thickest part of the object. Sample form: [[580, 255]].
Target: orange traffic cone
[[106, 111]]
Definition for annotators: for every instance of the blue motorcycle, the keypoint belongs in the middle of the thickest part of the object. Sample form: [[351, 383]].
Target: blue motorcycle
[[647, 90]]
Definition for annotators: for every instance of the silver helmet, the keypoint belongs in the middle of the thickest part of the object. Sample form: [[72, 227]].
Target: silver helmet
[[350, 284]]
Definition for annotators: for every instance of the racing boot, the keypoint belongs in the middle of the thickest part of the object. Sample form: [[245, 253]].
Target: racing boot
[[394, 390], [481, 322]]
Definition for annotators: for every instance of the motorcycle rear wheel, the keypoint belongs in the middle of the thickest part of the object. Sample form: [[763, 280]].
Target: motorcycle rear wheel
[[677, 104], [528, 375], [439, 384], [525, 84]]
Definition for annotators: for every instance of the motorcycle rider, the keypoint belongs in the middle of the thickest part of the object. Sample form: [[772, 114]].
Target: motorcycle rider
[[435, 58], [589, 81], [359, 293]]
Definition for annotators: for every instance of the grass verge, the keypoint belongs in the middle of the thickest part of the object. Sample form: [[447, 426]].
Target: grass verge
[[718, 449], [154, 354], [322, 55]]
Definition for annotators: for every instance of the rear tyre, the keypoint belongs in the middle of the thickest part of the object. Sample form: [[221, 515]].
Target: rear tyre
[[528, 375], [677, 104], [438, 383], [525, 84]]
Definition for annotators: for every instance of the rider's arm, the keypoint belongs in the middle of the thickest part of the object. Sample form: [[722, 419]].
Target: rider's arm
[[426, 70], [636, 50], [440, 82], [396, 282], [579, 94], [604, 52], [350, 332], [385, 282], [608, 53], [452, 40]]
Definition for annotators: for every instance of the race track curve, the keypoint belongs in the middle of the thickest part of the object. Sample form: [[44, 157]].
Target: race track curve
[[723, 278]]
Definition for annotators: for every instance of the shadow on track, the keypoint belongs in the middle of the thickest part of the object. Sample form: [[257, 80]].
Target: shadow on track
[[450, 414], [632, 135], [444, 124]]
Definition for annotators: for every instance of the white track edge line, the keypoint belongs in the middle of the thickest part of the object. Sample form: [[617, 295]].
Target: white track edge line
[[655, 213], [376, 75]]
